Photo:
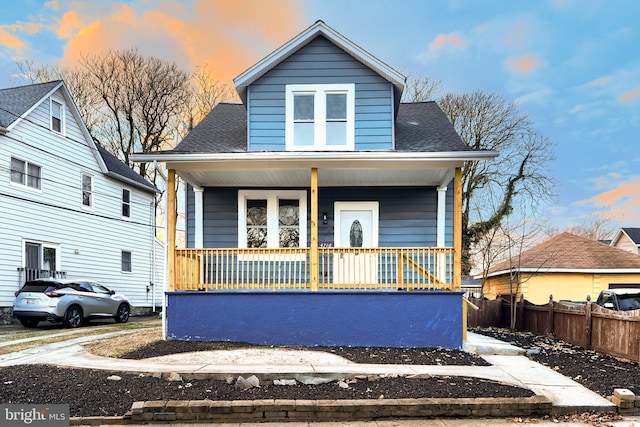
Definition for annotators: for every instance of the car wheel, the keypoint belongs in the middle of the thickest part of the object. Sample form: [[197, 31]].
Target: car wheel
[[29, 323], [73, 317], [122, 315]]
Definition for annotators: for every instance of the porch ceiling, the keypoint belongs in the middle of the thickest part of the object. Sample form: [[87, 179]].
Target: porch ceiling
[[331, 173]]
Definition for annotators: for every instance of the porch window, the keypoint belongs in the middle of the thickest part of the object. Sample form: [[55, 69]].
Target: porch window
[[25, 173], [269, 219], [57, 116], [320, 117]]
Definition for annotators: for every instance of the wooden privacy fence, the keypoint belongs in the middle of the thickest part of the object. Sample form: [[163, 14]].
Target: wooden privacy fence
[[586, 325]]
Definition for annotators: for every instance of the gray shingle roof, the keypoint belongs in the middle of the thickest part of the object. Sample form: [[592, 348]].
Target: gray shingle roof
[[420, 127], [118, 167], [633, 233], [15, 101]]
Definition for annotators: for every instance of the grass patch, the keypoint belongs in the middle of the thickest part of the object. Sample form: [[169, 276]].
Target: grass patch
[[44, 337]]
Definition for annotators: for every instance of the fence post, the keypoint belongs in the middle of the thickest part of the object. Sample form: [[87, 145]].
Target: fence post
[[551, 329], [587, 321], [520, 313]]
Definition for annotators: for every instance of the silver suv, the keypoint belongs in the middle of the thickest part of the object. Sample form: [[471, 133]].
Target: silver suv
[[71, 302]]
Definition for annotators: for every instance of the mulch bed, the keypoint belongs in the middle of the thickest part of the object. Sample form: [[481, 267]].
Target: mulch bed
[[91, 393]]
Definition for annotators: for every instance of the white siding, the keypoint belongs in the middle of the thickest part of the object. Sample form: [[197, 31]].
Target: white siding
[[90, 241]]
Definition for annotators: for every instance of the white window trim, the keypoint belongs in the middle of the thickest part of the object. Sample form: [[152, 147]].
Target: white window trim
[[92, 199], [272, 197], [43, 245], [320, 142], [122, 203], [63, 120], [26, 178], [122, 251]]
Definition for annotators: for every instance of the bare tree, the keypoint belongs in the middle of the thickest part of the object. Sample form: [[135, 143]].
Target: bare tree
[[86, 100], [596, 226], [420, 89], [485, 121], [206, 93]]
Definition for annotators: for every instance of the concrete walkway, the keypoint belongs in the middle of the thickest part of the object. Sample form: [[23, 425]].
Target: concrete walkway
[[508, 365]]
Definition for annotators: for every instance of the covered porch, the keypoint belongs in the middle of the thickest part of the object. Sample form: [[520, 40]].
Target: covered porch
[[322, 292], [320, 265]]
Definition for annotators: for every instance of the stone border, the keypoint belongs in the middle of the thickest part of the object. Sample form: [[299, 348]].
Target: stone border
[[196, 411]]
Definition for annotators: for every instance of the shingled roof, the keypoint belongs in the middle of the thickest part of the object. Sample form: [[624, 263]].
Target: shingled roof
[[117, 167], [16, 101], [633, 233], [420, 127], [567, 252]]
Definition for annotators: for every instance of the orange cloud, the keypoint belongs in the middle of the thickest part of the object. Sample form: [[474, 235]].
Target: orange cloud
[[454, 39], [227, 36], [624, 200], [601, 81], [69, 24], [630, 95], [524, 64], [10, 41]]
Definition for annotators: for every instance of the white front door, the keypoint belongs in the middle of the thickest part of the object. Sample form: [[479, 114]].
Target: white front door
[[356, 226]]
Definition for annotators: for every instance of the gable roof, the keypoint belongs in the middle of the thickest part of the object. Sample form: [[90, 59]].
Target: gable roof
[[632, 233], [419, 127], [319, 28], [568, 253], [15, 102]]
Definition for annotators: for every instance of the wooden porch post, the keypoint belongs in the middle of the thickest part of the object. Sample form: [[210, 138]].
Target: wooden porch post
[[171, 229], [457, 229], [314, 229]]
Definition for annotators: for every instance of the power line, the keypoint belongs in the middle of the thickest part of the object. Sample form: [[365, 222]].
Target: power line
[[80, 211]]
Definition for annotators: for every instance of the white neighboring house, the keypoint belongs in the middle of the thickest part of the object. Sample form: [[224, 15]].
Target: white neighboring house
[[68, 207]]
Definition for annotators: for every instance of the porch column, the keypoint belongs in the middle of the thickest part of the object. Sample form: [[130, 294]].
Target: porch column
[[314, 230], [440, 232], [199, 238], [457, 229], [171, 229]]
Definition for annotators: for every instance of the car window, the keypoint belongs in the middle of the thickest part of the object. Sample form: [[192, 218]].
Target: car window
[[36, 286], [629, 302], [84, 287], [99, 289]]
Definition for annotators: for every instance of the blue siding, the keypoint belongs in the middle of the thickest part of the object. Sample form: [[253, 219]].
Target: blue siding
[[320, 62], [408, 215], [378, 319]]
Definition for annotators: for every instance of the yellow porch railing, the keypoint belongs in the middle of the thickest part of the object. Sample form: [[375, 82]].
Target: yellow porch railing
[[338, 268]]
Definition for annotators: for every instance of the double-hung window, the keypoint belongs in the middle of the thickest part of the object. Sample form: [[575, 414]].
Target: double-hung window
[[126, 203], [57, 116], [87, 191], [126, 263], [272, 219], [25, 173], [320, 117]]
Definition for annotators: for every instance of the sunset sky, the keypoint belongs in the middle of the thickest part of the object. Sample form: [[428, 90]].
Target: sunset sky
[[572, 65]]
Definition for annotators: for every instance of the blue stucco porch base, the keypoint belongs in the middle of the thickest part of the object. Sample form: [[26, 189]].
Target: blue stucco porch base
[[323, 318]]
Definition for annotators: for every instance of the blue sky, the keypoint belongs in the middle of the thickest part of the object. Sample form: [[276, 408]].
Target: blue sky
[[573, 66]]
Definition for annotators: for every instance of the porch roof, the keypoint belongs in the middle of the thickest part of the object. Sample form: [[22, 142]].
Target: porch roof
[[427, 150]]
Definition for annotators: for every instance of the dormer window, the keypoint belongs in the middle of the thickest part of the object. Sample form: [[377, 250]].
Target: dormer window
[[57, 116], [320, 117]]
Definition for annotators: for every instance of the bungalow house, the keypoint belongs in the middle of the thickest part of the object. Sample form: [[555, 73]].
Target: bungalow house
[[316, 205], [627, 239], [566, 266], [69, 208]]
